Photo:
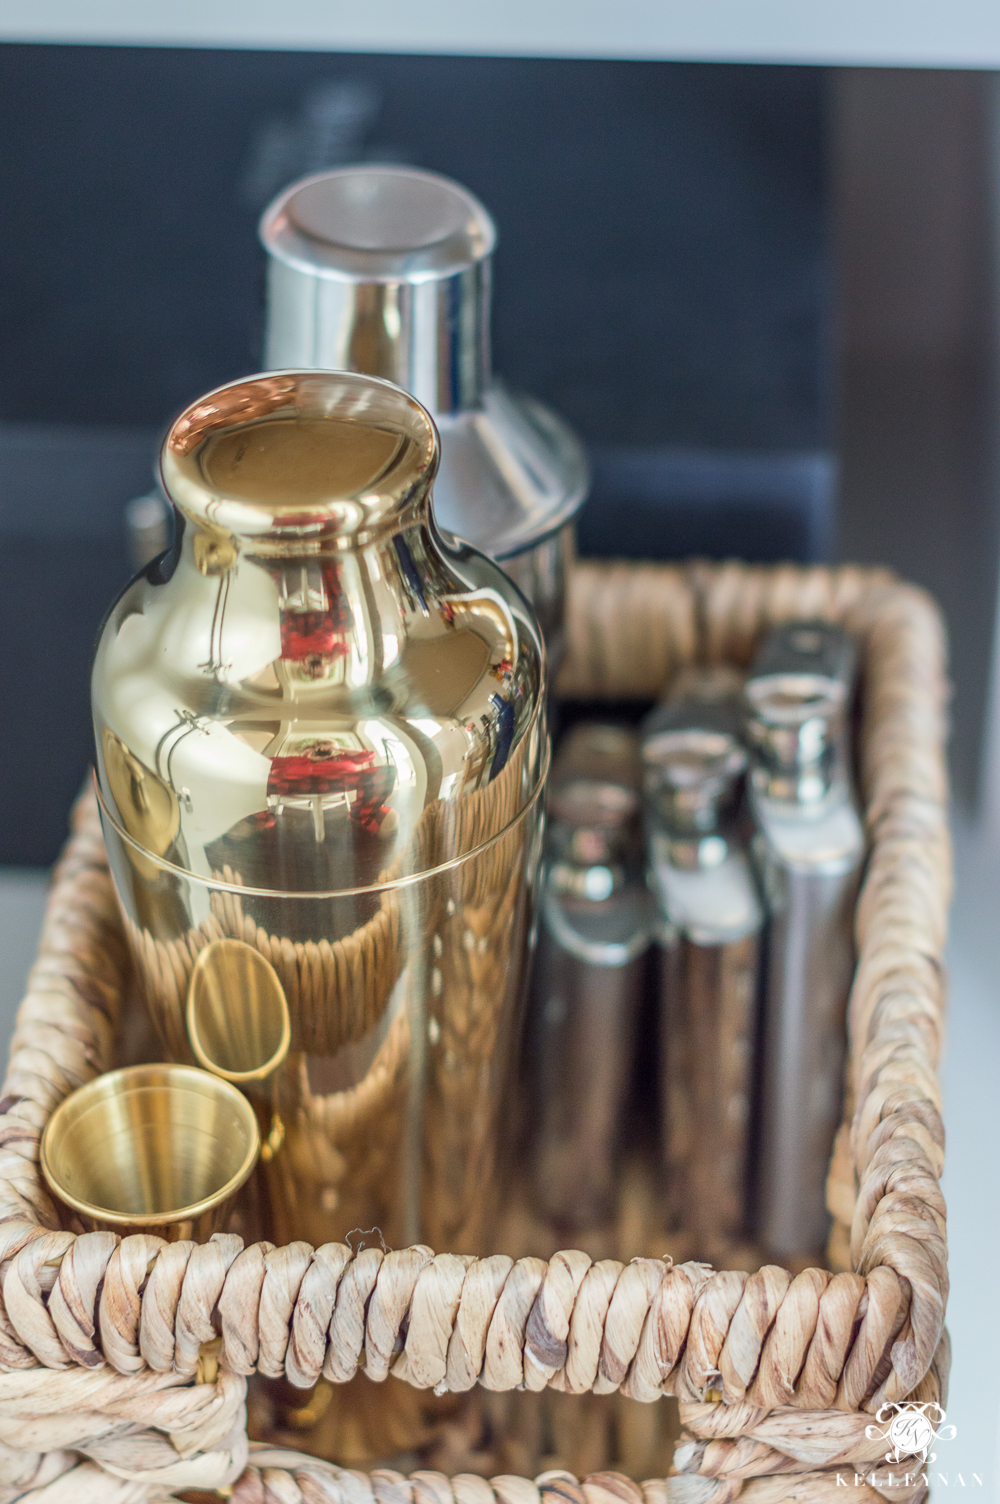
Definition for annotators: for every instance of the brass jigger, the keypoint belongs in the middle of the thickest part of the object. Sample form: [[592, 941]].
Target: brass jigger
[[240, 1028], [238, 1020], [159, 1149]]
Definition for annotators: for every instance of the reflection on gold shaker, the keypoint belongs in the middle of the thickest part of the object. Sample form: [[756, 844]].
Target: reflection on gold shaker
[[320, 733]]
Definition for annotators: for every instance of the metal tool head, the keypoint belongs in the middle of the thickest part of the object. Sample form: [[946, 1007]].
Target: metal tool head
[[691, 773], [798, 696]]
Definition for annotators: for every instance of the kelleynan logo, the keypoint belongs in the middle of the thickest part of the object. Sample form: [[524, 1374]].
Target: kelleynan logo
[[911, 1429]]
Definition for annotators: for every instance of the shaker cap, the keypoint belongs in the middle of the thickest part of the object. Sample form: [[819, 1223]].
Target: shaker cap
[[387, 270], [328, 455], [378, 223]]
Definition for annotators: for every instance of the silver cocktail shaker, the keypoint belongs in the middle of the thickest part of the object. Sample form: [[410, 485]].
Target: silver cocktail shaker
[[810, 843], [595, 930], [387, 271], [711, 917]]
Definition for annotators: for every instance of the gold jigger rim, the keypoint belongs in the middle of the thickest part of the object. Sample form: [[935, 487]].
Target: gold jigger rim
[[269, 1066], [108, 1083], [220, 886]]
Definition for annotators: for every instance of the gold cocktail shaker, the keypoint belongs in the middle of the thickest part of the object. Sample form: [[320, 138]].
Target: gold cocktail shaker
[[321, 737]]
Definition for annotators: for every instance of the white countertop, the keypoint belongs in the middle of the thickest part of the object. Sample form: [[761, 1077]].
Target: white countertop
[[889, 33]]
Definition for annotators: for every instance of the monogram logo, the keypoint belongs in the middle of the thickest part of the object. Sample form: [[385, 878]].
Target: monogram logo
[[911, 1429]]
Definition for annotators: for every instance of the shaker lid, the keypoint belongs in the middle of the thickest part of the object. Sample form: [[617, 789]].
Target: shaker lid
[[325, 454], [378, 223], [386, 270]]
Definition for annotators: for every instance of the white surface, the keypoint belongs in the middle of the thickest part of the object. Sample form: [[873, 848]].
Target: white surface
[[22, 904], [972, 1170], [928, 33], [972, 1116]]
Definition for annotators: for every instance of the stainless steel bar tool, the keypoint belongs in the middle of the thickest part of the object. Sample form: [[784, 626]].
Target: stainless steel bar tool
[[595, 931], [711, 917], [810, 844]]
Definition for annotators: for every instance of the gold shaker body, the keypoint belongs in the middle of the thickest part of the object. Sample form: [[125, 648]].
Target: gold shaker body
[[320, 733]]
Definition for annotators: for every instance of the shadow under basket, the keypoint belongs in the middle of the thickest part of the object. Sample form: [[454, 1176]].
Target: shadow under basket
[[124, 1364]]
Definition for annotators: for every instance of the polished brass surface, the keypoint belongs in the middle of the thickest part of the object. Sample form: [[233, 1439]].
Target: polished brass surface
[[297, 457], [160, 1149], [403, 1027], [237, 1013], [321, 733], [147, 806], [323, 689]]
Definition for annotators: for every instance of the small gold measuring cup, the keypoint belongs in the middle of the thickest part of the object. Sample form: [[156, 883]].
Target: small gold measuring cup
[[159, 1149], [238, 1022]]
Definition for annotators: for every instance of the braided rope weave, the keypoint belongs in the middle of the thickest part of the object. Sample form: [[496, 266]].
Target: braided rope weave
[[103, 1342]]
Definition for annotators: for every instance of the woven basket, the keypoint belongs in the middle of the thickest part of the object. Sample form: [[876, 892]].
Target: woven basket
[[123, 1364]]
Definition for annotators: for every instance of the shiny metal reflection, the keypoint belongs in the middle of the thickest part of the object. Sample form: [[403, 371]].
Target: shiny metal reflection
[[711, 916], [319, 684], [596, 927], [388, 270], [160, 1149], [237, 1013], [811, 843], [321, 733]]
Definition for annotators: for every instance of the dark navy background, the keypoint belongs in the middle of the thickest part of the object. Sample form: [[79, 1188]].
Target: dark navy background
[[661, 279], [661, 275]]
